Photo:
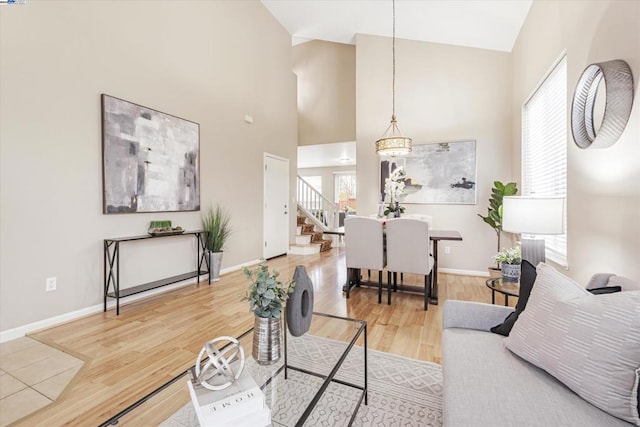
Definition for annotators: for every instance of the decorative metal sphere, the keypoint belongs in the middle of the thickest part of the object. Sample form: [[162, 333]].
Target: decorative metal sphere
[[216, 373]]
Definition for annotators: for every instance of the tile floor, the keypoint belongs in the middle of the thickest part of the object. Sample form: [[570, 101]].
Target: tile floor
[[32, 375]]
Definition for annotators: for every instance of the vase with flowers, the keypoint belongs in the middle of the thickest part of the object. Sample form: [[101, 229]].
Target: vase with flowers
[[510, 259], [394, 189], [267, 296]]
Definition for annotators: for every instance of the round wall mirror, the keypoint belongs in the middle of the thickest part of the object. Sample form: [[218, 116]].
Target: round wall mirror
[[602, 104]]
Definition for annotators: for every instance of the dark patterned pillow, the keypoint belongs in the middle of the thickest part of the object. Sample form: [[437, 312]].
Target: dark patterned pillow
[[527, 279]]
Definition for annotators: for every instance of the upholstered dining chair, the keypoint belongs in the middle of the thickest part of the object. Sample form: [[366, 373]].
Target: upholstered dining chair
[[364, 246], [408, 252]]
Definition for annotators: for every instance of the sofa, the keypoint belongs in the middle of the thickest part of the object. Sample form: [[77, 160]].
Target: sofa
[[486, 384]]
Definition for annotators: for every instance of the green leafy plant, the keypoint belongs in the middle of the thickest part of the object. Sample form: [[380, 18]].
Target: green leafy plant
[[494, 212], [266, 294], [216, 224], [508, 256]]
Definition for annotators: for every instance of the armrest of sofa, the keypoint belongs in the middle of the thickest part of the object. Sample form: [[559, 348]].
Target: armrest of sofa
[[601, 280], [473, 315]]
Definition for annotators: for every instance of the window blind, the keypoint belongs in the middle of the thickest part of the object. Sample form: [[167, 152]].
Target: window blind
[[544, 149]]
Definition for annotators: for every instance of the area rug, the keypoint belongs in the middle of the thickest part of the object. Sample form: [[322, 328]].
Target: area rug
[[402, 391]]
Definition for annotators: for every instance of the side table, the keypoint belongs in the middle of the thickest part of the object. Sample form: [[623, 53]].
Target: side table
[[504, 287]]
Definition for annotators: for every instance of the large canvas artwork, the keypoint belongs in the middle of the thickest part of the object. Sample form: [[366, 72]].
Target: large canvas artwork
[[150, 160], [443, 173]]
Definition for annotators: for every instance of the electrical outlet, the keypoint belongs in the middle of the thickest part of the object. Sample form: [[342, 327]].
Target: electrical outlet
[[51, 284], [447, 250]]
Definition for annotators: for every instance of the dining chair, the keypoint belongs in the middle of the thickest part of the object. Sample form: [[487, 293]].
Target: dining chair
[[408, 252], [421, 217], [364, 246]]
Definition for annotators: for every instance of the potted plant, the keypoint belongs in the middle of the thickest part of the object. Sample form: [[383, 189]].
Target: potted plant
[[267, 296], [510, 259], [216, 225], [394, 188], [494, 211]]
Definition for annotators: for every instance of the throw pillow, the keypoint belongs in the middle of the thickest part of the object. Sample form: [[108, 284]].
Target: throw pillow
[[590, 343], [527, 279]]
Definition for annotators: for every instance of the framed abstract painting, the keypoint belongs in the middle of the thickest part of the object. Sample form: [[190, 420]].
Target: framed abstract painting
[[437, 173], [150, 160]]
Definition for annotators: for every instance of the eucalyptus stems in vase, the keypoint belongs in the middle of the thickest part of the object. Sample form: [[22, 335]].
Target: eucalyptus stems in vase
[[267, 296]]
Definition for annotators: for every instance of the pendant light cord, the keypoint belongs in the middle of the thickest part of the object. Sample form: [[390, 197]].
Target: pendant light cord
[[393, 50]]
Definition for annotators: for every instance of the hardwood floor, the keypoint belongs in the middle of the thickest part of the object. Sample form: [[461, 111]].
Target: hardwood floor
[[156, 338]]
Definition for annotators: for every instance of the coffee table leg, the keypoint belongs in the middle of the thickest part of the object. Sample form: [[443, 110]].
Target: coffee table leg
[[493, 296]]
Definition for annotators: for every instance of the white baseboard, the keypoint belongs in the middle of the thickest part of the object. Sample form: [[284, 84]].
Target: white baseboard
[[463, 272], [21, 331]]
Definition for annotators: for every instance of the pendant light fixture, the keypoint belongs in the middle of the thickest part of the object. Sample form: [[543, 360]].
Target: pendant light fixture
[[393, 143]]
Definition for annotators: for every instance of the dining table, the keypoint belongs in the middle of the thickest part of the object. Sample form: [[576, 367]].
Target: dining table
[[436, 236]]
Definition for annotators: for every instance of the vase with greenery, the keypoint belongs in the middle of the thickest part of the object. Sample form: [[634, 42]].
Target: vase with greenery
[[394, 189], [510, 259], [267, 296], [494, 211], [216, 224]]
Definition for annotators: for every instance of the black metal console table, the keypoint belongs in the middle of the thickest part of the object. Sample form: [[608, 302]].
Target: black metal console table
[[112, 266]]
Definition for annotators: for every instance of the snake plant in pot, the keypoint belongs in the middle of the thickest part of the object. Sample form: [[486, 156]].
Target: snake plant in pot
[[267, 296], [216, 225]]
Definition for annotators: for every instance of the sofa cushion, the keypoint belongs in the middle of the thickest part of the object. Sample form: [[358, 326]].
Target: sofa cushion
[[590, 343], [484, 384]]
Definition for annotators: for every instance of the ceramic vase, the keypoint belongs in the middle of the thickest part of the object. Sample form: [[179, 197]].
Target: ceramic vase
[[510, 272]]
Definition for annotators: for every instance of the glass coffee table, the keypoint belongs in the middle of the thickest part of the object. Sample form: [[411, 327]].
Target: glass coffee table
[[507, 288], [320, 379]]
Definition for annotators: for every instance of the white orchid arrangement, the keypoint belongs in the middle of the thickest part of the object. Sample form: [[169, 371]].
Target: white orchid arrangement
[[394, 188]]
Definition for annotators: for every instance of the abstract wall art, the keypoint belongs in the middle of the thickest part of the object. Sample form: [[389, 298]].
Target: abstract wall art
[[439, 173], [150, 160]]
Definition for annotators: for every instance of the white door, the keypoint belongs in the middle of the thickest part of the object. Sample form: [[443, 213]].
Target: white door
[[276, 206]]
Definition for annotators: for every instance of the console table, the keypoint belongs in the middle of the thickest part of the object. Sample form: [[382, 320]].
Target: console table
[[112, 266]]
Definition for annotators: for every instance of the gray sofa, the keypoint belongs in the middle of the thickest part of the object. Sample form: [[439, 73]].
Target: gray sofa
[[484, 384]]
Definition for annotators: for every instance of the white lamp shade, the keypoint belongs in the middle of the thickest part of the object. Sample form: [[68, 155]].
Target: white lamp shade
[[533, 215]]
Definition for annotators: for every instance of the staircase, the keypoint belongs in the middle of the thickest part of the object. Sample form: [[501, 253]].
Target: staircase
[[308, 240]]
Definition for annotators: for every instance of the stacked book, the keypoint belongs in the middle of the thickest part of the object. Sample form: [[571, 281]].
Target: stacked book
[[241, 404]]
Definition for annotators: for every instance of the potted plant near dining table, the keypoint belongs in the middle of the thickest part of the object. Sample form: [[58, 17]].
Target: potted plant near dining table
[[216, 224], [267, 296], [510, 260]]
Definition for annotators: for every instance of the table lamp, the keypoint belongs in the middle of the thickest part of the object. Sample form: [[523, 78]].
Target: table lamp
[[533, 216]]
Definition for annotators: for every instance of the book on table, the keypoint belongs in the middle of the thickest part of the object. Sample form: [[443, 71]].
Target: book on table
[[240, 404]]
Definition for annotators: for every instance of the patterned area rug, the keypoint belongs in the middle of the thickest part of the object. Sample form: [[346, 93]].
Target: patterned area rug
[[402, 391]]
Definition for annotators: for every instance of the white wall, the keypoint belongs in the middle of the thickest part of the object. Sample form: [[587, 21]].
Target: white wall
[[443, 93], [209, 62], [326, 95], [603, 201]]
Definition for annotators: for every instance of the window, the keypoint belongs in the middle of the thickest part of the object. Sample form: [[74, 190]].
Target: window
[[544, 148], [345, 191]]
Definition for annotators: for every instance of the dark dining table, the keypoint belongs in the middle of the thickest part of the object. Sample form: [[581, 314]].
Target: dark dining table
[[435, 236]]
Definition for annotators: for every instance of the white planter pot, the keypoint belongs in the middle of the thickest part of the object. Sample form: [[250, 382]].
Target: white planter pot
[[215, 260]]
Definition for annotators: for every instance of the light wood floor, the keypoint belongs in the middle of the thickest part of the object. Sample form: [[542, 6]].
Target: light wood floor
[[156, 338]]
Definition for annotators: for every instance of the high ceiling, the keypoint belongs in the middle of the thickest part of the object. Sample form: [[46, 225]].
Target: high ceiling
[[486, 24]]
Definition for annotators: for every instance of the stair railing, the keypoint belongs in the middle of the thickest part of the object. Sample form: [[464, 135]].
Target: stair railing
[[320, 210]]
